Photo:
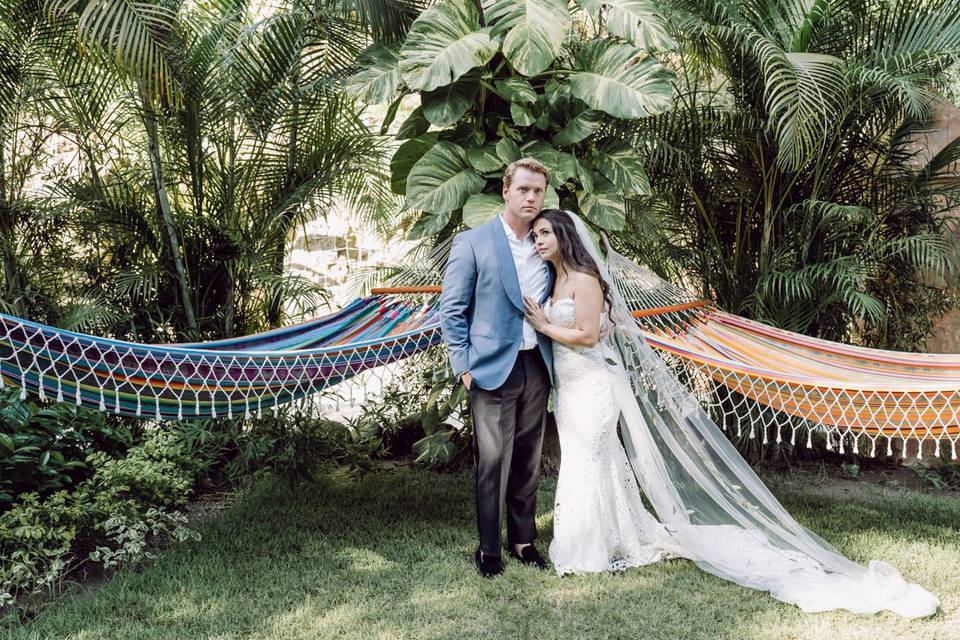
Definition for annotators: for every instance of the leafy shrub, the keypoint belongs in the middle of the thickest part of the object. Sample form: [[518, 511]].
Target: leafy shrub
[[128, 537], [413, 417], [44, 449], [296, 443], [113, 513], [942, 474]]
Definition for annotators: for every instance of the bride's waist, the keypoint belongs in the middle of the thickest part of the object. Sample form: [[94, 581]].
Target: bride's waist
[[581, 352], [577, 360]]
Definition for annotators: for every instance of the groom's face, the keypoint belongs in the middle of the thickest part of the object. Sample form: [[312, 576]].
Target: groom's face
[[524, 197]]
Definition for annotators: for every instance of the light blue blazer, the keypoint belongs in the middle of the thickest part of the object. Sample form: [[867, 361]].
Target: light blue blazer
[[481, 307]]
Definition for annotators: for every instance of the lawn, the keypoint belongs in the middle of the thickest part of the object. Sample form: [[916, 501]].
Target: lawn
[[389, 556]]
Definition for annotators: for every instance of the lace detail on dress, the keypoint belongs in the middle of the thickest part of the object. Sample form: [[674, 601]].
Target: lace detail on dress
[[600, 523]]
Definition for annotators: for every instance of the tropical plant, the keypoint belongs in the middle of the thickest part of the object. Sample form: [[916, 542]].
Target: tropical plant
[[203, 135], [46, 448], [31, 245], [501, 79], [790, 182]]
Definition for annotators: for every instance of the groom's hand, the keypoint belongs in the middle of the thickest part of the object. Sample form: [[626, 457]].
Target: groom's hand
[[467, 379]]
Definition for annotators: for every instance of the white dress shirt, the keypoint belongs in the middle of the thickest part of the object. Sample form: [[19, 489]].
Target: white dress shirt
[[531, 272]]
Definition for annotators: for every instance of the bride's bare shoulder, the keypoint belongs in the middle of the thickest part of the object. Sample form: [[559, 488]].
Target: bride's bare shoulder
[[585, 284]]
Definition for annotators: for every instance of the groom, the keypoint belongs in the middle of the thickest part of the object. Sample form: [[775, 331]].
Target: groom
[[506, 365]]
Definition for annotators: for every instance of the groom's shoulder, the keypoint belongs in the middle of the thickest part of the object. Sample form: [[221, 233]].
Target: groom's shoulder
[[471, 235]]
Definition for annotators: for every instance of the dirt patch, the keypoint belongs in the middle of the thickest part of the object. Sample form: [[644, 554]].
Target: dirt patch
[[847, 480], [208, 506]]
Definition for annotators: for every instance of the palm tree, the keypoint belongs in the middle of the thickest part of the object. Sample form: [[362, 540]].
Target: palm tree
[[787, 182], [204, 136], [31, 243]]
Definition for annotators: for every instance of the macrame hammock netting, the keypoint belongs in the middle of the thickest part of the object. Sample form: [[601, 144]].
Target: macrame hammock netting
[[751, 377]]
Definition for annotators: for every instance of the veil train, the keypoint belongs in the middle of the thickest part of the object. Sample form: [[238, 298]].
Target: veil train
[[712, 507]]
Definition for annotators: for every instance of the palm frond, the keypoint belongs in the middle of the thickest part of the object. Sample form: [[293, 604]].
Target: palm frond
[[133, 33]]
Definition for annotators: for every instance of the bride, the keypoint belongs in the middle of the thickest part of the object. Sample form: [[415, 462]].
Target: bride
[[710, 506]]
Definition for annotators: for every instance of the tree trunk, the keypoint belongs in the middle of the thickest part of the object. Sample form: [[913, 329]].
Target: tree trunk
[[11, 274], [275, 314], [229, 312], [163, 203]]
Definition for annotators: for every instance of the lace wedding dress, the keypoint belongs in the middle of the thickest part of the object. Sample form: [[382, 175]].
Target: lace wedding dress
[[599, 522], [712, 509]]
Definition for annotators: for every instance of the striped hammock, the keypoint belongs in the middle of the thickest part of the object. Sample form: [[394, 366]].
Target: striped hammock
[[239, 376], [749, 375]]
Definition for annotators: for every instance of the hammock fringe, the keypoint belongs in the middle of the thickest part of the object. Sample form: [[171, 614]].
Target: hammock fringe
[[743, 372]]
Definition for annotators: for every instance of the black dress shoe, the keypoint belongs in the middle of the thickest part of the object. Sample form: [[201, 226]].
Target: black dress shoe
[[488, 566], [530, 556]]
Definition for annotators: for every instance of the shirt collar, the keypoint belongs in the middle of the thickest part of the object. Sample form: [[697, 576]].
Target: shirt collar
[[510, 234]]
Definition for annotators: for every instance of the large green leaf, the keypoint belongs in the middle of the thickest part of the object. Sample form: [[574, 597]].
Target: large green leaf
[[517, 90], [379, 79], [552, 201], [415, 125], [604, 206], [443, 44], [407, 155], [587, 175], [623, 166], [561, 165], [442, 179], [485, 159], [535, 30], [633, 20], [481, 207], [444, 106], [429, 224], [508, 150], [579, 128], [6, 442], [621, 80], [522, 115], [555, 90]]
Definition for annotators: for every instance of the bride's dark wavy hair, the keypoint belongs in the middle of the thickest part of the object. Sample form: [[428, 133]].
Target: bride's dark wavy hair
[[572, 252]]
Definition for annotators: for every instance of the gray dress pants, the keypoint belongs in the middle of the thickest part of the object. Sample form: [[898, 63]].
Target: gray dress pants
[[508, 426]]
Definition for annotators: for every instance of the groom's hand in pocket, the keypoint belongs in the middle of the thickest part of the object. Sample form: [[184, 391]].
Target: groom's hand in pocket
[[467, 379]]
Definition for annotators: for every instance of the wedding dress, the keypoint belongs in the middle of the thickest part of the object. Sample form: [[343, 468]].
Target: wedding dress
[[710, 506], [599, 521]]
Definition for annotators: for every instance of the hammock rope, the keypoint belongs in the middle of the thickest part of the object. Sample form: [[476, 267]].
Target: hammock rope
[[240, 376], [753, 377]]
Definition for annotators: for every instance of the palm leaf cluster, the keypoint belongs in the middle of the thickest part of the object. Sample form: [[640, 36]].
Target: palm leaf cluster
[[791, 180], [198, 136]]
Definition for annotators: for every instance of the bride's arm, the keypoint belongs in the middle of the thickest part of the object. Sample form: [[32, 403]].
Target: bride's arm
[[588, 304]]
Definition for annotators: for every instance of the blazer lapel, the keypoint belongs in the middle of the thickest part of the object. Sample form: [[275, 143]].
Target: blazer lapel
[[508, 271]]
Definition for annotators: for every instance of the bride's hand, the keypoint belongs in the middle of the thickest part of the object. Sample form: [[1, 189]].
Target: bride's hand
[[534, 314]]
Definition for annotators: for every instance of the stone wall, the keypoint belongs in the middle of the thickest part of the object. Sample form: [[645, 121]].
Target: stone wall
[[946, 334], [336, 250]]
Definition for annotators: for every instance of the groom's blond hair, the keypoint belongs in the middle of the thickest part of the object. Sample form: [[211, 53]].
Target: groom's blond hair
[[524, 163]]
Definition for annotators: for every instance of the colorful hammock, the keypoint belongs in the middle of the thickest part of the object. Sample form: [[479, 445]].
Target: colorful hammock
[[749, 374], [238, 376], [851, 391]]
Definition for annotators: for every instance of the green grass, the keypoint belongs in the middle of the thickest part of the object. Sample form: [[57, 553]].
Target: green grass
[[389, 556]]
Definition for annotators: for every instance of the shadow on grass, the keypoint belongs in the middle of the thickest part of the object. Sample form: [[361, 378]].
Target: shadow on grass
[[905, 515], [391, 556]]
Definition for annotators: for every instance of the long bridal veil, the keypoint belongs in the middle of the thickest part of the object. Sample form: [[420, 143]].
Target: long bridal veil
[[713, 508]]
